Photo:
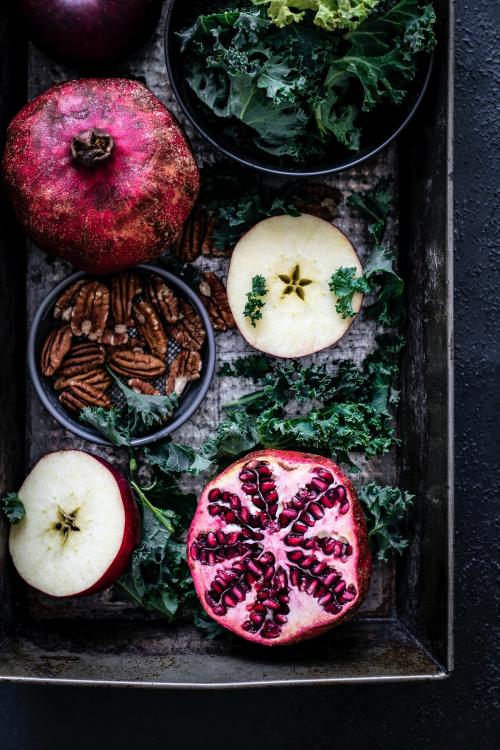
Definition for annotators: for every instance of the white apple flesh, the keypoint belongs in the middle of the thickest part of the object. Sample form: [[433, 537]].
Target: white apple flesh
[[80, 528], [298, 318]]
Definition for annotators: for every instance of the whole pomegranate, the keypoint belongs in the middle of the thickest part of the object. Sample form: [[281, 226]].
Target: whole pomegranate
[[99, 173], [278, 549]]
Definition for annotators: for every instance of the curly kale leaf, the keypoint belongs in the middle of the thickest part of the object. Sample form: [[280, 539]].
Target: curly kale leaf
[[254, 366], [175, 458], [344, 283], [385, 509], [328, 14], [109, 422], [255, 302], [13, 508]]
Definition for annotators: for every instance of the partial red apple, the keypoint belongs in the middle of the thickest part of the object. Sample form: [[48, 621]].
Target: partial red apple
[[297, 256], [80, 528]]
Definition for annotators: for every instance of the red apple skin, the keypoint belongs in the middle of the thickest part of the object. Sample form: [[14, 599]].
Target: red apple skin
[[131, 533]]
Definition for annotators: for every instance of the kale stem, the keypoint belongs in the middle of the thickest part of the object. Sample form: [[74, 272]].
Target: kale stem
[[147, 504]]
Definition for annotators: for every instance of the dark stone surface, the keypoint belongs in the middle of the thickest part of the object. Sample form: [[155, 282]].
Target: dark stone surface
[[461, 712]]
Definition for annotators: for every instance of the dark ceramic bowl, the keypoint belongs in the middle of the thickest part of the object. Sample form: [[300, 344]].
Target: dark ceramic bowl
[[384, 124], [188, 402]]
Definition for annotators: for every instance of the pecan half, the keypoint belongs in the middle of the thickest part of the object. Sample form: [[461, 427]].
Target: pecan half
[[163, 299], [82, 358], [151, 329], [91, 310], [142, 386], [185, 368], [125, 287], [189, 331], [135, 364], [79, 395], [65, 303], [188, 246], [112, 337], [98, 378], [214, 295], [56, 346], [320, 200]]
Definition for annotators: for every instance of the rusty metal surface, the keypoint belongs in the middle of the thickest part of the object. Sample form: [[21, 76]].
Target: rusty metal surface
[[366, 648]]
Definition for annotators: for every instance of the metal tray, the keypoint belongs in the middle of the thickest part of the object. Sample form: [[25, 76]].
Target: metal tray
[[404, 630]]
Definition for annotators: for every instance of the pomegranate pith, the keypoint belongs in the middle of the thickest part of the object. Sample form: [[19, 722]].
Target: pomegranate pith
[[278, 547]]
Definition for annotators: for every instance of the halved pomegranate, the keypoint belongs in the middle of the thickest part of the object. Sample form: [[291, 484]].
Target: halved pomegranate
[[278, 548]]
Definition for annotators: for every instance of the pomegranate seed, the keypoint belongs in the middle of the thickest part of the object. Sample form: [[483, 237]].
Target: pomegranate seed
[[258, 502], [294, 576], [283, 598], [214, 510], [249, 488], [245, 515], [229, 516], [333, 608], [267, 558], [343, 509], [280, 579], [237, 593], [194, 551], [232, 537], [271, 604], [287, 515], [259, 607], [312, 586], [323, 474], [221, 537], [235, 502], [339, 494], [211, 558], [203, 557], [348, 549], [299, 527], [346, 597], [294, 540], [308, 561], [306, 517], [340, 587], [252, 464], [217, 587], [328, 546], [226, 496], [268, 573], [282, 619], [254, 568], [220, 610], [330, 578], [318, 568], [299, 504], [256, 618], [214, 495], [309, 544], [271, 497], [328, 499], [325, 599], [246, 476], [319, 484], [267, 486], [337, 549], [273, 509], [320, 592], [264, 470], [211, 539], [228, 600], [316, 510], [295, 556]]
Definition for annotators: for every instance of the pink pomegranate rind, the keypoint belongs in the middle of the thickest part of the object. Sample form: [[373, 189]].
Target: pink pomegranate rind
[[278, 548], [122, 207]]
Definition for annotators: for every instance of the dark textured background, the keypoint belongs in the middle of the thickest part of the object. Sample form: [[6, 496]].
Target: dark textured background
[[461, 712]]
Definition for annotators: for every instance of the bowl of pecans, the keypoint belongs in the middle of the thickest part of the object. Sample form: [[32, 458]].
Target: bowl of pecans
[[123, 359]]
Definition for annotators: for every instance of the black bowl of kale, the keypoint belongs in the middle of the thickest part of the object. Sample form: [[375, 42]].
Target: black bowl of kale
[[319, 93]]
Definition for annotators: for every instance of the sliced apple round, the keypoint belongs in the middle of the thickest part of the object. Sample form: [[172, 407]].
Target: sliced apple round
[[296, 255], [80, 528]]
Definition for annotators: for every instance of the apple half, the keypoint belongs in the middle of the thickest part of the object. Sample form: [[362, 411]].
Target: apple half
[[297, 256], [80, 528]]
